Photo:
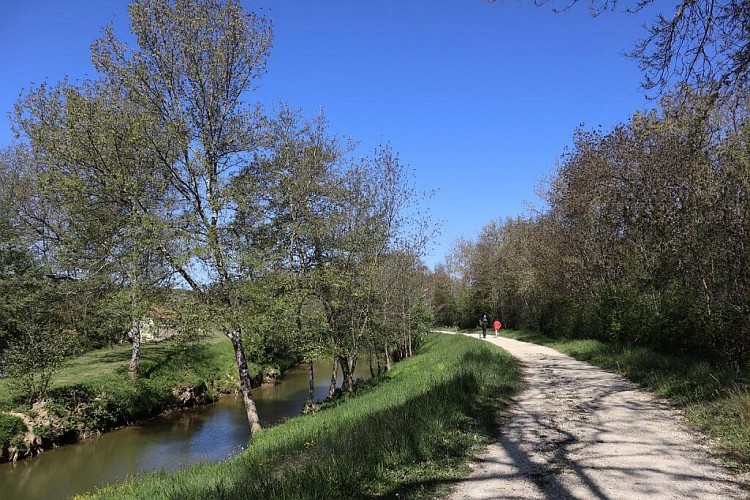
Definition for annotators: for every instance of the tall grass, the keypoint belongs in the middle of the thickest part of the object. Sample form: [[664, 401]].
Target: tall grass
[[408, 433], [716, 399]]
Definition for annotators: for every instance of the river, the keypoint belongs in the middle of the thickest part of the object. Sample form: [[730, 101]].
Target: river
[[204, 434]]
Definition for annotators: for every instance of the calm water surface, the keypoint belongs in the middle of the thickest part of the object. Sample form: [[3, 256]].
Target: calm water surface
[[206, 434]]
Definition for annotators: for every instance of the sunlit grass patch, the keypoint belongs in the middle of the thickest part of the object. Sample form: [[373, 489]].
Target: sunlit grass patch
[[728, 419]]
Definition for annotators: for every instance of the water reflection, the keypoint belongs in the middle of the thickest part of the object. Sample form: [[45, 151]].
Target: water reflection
[[204, 434]]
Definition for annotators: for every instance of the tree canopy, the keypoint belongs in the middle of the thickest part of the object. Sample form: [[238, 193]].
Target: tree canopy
[[160, 182]]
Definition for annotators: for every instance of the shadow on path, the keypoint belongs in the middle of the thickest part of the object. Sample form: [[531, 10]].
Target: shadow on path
[[577, 431]]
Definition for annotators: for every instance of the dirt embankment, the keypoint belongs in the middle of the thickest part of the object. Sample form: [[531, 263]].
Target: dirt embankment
[[577, 431]]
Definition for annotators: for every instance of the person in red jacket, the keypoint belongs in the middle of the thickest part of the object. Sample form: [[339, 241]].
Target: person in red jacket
[[497, 325]]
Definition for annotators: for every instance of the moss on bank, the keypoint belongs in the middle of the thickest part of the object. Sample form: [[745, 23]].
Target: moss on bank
[[408, 433]]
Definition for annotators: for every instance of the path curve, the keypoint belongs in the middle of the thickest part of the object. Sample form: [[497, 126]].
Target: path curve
[[577, 431]]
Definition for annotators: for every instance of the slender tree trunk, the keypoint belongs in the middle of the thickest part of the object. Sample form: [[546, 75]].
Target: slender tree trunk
[[311, 383], [135, 357], [245, 385], [388, 361], [347, 370], [370, 359], [408, 331], [352, 370], [334, 376], [410, 346]]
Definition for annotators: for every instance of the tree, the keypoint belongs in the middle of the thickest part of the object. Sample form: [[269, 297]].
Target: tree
[[704, 43], [370, 221], [15, 259], [402, 299], [295, 182], [195, 60], [443, 300], [96, 166], [37, 342], [644, 240], [33, 334], [193, 63]]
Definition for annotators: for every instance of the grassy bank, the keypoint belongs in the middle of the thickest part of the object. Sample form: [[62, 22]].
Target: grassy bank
[[408, 433], [92, 393], [715, 399]]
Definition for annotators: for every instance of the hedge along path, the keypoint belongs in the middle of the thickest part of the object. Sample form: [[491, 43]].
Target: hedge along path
[[577, 431]]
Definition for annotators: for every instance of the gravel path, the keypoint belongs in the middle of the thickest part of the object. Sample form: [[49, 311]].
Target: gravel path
[[577, 431]]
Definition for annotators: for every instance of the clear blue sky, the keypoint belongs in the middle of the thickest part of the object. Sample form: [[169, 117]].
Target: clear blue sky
[[479, 99]]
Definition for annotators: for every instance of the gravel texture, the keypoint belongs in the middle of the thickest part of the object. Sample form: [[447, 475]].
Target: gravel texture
[[576, 431]]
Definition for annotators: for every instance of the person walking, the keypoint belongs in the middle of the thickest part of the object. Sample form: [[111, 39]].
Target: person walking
[[485, 324], [497, 325]]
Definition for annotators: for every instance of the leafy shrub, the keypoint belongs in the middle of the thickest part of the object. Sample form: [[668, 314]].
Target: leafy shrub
[[12, 430]]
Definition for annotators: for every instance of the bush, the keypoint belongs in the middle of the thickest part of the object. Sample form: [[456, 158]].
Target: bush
[[12, 430]]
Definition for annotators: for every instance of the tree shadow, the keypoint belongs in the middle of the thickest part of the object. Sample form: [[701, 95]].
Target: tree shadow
[[568, 453]]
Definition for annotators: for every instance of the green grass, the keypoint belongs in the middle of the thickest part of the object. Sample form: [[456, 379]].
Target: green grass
[[715, 399], [406, 434], [115, 360], [111, 363], [92, 393]]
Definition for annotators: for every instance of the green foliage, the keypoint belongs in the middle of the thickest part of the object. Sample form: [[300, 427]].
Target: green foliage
[[269, 321], [157, 169], [12, 430], [643, 241], [443, 301], [31, 361], [35, 341], [408, 434]]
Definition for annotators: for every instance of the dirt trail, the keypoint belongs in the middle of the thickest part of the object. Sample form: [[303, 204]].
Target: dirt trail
[[577, 431]]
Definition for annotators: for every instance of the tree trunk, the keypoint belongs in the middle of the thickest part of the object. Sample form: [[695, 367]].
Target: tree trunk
[[334, 376], [135, 320], [388, 361], [135, 357], [347, 370], [410, 352], [372, 365], [311, 383], [245, 385]]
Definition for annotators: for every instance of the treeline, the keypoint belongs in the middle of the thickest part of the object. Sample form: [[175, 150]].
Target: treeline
[[643, 240], [156, 191]]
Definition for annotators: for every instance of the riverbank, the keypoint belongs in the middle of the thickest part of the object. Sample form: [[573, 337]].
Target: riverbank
[[92, 393], [409, 432], [714, 399]]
